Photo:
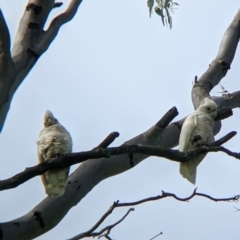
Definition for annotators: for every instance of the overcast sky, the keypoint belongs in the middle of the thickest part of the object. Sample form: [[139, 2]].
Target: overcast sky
[[113, 69]]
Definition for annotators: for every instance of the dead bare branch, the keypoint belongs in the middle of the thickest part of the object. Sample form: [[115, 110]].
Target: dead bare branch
[[167, 118], [224, 139], [110, 227], [161, 233], [186, 199], [91, 233], [108, 140], [116, 204]]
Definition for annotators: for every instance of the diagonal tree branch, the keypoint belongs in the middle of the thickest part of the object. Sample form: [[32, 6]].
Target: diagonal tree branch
[[6, 65], [108, 140], [116, 204], [30, 43], [5, 55], [107, 229], [220, 65]]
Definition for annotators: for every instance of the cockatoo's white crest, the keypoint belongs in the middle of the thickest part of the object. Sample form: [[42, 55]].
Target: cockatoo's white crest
[[49, 119], [53, 141], [197, 130]]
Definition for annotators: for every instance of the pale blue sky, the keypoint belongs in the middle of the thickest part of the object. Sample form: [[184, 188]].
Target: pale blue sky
[[114, 69]]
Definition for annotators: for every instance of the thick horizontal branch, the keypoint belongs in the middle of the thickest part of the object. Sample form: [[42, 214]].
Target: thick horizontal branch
[[229, 100], [223, 113], [116, 204], [75, 158]]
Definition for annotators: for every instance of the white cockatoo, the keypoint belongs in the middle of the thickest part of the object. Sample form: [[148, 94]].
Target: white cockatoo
[[197, 130], [53, 141]]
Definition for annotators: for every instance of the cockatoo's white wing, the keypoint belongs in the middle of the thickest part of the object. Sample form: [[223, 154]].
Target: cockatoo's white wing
[[54, 140], [187, 132], [189, 169], [199, 124]]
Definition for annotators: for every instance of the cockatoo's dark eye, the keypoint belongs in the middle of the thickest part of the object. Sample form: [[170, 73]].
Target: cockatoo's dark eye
[[208, 108]]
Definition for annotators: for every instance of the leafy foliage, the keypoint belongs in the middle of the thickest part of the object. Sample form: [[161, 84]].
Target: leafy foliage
[[161, 5]]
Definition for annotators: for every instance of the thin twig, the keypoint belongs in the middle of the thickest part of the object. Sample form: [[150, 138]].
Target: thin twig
[[110, 227], [161, 233], [107, 229], [97, 224], [186, 199]]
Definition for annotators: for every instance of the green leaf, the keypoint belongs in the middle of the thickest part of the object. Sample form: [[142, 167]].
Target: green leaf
[[167, 3], [150, 4], [170, 22], [159, 12], [169, 18]]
